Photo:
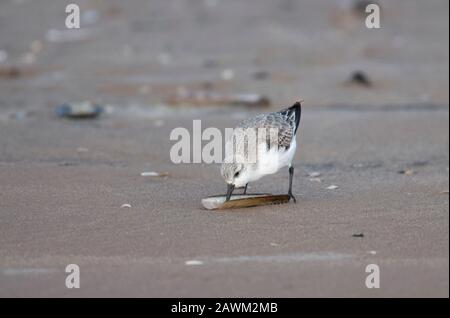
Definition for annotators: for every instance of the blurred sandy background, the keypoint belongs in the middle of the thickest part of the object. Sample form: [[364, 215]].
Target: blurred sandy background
[[385, 145]]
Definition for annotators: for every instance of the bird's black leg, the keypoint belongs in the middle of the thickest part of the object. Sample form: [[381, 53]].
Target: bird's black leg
[[291, 176], [245, 189]]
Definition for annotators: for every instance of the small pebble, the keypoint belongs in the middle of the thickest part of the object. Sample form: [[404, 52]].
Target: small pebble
[[126, 205], [154, 174], [358, 235], [314, 174], [80, 110], [193, 262], [227, 74], [315, 180], [250, 100], [332, 187], [149, 174], [407, 172], [360, 78]]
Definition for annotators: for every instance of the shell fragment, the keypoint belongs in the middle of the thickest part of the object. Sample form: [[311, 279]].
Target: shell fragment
[[243, 201]]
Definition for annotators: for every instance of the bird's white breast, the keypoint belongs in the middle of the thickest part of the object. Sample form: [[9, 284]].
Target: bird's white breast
[[270, 161]]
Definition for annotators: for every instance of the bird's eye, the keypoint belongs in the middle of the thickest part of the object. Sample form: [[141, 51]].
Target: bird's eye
[[236, 174]]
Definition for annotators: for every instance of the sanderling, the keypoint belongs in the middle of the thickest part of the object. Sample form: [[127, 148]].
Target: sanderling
[[271, 156]]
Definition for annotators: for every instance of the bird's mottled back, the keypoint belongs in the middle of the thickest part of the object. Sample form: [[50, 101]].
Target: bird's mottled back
[[286, 121]]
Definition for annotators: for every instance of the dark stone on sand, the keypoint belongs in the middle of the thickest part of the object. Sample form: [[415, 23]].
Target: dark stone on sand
[[360, 78]]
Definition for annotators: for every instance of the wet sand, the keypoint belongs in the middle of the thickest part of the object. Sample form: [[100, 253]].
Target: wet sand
[[63, 182]]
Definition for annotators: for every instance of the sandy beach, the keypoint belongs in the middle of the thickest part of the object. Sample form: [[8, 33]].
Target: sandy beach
[[385, 148]]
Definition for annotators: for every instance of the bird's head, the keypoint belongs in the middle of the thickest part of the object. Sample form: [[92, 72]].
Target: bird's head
[[235, 175]]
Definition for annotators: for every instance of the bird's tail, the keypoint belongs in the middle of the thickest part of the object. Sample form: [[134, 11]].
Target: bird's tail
[[297, 110]]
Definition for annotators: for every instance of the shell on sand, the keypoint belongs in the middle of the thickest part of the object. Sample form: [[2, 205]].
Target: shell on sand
[[218, 202]]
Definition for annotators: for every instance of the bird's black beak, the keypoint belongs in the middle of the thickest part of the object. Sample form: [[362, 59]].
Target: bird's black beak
[[229, 191]]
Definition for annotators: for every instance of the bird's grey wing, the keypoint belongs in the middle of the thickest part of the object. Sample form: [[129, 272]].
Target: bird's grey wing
[[285, 127]]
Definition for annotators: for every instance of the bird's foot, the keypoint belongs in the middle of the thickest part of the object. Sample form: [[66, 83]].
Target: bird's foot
[[291, 196]]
